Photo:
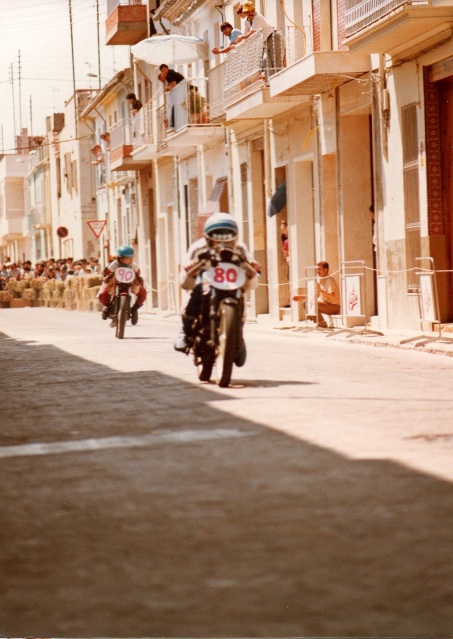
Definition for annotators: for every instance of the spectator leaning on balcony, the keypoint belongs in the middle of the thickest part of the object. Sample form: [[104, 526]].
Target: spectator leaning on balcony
[[106, 138], [273, 50], [232, 34], [169, 77], [135, 103]]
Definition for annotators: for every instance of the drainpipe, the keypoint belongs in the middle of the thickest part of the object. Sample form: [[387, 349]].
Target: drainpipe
[[339, 177], [318, 177], [201, 177], [229, 147]]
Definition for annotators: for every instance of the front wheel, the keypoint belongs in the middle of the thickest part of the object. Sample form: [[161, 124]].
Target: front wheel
[[227, 344], [123, 314]]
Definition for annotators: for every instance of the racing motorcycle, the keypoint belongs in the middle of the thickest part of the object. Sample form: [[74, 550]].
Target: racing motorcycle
[[121, 302], [216, 337]]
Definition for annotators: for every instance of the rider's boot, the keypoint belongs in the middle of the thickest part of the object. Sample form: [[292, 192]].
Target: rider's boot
[[180, 343], [105, 312], [134, 314]]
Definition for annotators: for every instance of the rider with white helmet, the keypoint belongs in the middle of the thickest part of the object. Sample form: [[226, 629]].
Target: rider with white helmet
[[219, 228]]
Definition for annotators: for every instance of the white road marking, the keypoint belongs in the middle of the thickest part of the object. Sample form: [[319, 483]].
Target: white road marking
[[80, 445]]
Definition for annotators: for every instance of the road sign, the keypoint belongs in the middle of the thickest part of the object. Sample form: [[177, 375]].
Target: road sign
[[62, 231], [97, 226]]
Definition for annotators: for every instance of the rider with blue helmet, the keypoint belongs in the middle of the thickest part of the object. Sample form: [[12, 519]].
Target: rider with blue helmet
[[124, 257]]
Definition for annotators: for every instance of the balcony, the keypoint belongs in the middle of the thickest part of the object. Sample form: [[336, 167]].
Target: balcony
[[319, 72], [121, 145], [37, 218], [11, 227], [126, 22], [395, 26], [176, 122], [248, 70]]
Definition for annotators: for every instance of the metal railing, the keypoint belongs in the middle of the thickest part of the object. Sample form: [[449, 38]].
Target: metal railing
[[361, 13], [250, 65], [187, 104], [298, 44]]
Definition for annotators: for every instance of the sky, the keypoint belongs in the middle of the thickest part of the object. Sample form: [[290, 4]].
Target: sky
[[37, 33]]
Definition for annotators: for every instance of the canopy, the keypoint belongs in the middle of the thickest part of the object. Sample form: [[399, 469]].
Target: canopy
[[170, 49]]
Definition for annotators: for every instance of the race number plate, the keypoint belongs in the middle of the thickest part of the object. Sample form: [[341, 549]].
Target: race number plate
[[226, 276], [125, 275]]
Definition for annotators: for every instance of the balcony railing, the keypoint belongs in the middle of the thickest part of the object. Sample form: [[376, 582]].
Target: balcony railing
[[361, 13], [38, 216], [298, 44], [186, 105], [250, 65]]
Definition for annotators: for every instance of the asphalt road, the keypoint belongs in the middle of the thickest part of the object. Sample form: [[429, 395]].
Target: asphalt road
[[312, 498]]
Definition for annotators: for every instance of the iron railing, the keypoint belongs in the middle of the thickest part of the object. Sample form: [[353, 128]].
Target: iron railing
[[187, 104], [361, 13]]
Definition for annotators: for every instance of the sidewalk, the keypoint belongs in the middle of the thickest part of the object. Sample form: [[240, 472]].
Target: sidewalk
[[391, 338]]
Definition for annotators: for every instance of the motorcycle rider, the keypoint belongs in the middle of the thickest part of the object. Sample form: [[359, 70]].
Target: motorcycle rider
[[124, 257], [219, 228]]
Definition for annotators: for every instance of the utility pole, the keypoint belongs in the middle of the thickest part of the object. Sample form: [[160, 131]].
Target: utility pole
[[31, 119], [73, 71], [20, 97], [14, 108], [99, 44]]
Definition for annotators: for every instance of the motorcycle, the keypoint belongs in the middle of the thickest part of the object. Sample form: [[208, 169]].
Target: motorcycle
[[121, 301], [216, 335]]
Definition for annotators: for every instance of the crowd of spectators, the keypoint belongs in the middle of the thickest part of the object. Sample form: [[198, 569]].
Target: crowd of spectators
[[60, 270]]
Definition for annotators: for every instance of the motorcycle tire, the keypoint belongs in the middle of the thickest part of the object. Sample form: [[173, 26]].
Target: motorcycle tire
[[123, 316], [227, 344]]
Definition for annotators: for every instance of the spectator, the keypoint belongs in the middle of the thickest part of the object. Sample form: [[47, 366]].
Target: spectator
[[169, 77], [50, 273], [196, 105], [106, 138], [273, 60], [40, 268], [27, 272], [13, 271], [135, 103], [95, 266], [328, 294], [98, 155], [62, 272], [232, 34]]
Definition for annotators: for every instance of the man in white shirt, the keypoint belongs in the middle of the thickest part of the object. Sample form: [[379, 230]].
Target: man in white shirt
[[273, 50]]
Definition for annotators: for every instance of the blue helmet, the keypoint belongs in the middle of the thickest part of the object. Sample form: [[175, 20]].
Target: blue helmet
[[125, 251], [221, 227]]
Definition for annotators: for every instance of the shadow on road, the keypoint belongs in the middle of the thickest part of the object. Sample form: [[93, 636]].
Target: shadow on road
[[249, 534]]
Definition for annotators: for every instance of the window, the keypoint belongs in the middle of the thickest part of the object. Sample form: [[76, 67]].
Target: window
[[411, 192]]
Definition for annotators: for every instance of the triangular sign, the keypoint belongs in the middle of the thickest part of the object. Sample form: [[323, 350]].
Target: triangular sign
[[97, 226]]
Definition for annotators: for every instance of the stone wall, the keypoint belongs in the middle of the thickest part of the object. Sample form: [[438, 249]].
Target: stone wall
[[76, 294]]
